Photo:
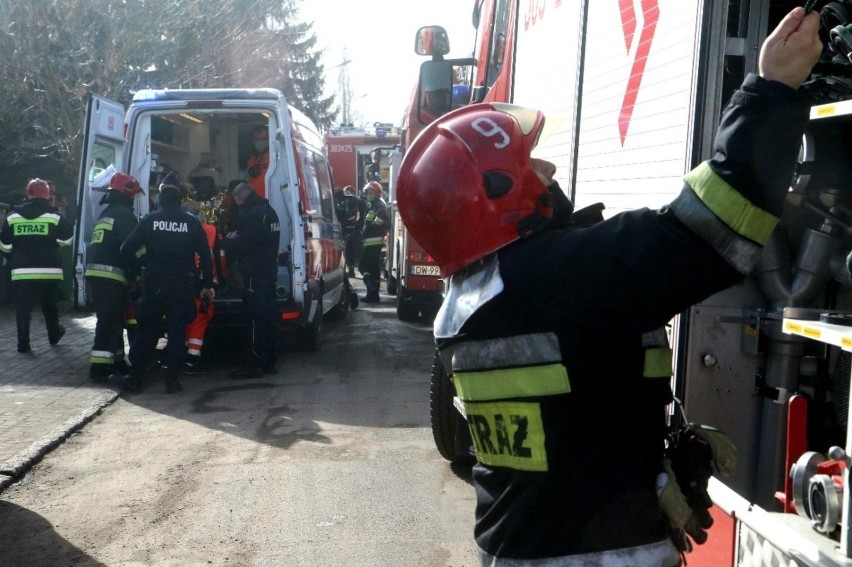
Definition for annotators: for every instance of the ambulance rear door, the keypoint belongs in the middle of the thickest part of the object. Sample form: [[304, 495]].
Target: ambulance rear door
[[102, 154]]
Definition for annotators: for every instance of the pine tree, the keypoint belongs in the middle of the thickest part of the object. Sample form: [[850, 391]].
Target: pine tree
[[56, 51]]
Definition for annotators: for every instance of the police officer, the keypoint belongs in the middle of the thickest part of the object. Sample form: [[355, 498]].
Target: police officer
[[256, 243], [375, 228], [32, 235], [107, 275], [170, 238], [552, 333]]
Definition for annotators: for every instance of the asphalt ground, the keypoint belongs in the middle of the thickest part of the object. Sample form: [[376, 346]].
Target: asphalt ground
[[46, 395]]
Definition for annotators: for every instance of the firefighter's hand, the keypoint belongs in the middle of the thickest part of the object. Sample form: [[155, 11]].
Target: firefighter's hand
[[792, 49], [209, 293], [688, 521], [371, 216], [698, 453]]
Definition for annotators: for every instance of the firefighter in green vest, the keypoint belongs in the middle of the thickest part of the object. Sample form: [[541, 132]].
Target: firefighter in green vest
[[32, 235]]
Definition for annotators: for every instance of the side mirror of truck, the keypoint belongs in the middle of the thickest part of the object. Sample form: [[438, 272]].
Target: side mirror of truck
[[432, 40], [434, 90]]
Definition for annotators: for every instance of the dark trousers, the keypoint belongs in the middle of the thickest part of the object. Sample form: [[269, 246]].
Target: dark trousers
[[263, 323], [109, 299], [27, 294], [370, 267], [174, 299], [353, 248]]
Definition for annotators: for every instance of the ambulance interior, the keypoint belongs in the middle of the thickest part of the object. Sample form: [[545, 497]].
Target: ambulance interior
[[210, 152]]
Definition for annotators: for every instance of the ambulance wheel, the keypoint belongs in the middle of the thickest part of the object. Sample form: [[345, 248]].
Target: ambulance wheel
[[452, 438], [340, 310], [310, 337], [353, 300]]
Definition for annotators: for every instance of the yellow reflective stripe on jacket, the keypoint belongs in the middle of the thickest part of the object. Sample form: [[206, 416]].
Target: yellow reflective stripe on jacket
[[95, 273], [374, 241], [5, 247], [658, 362], [36, 274], [105, 223], [729, 205], [508, 434], [523, 382], [519, 366]]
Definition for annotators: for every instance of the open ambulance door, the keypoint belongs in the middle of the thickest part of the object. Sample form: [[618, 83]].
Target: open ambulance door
[[102, 154]]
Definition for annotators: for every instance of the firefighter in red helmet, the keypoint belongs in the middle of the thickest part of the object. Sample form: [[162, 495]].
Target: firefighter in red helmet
[[553, 333], [376, 224], [108, 276], [32, 236]]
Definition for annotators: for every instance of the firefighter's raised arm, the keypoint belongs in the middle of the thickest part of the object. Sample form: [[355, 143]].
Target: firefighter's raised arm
[[792, 49]]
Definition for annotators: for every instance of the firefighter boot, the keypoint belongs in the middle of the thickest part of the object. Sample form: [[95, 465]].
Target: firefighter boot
[[131, 382], [55, 334], [100, 373], [372, 284], [173, 385], [23, 336]]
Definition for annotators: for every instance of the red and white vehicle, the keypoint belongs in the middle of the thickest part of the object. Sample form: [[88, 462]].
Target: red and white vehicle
[[199, 133], [633, 90], [412, 274], [348, 150]]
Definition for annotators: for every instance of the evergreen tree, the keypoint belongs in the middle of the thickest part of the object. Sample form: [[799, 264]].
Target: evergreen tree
[[56, 51]]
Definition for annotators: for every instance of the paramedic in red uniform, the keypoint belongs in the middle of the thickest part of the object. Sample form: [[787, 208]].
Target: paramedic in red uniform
[[258, 163], [204, 308], [32, 235], [552, 331]]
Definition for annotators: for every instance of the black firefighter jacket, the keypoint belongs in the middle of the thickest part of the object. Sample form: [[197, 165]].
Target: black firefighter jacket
[[32, 235], [569, 468]]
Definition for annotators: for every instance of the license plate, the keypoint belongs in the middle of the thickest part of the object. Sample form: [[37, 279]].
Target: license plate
[[425, 271]]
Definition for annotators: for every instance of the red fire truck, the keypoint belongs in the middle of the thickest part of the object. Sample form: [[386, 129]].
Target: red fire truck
[[412, 274], [635, 89], [349, 149]]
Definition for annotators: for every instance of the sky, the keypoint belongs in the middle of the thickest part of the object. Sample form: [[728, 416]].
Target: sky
[[377, 37]]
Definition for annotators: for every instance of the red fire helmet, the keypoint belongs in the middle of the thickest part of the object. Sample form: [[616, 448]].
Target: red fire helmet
[[466, 187], [125, 184], [373, 187], [38, 189]]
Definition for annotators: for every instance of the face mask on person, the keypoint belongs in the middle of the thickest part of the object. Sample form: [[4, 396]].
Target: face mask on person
[[261, 145]]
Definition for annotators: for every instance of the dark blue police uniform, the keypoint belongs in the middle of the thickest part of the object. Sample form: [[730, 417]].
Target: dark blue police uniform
[[256, 243], [169, 240]]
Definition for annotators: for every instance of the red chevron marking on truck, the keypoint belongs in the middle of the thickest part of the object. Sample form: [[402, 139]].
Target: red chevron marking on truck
[[650, 13]]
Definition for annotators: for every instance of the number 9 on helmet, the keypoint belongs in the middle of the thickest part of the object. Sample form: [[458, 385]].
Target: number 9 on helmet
[[466, 187]]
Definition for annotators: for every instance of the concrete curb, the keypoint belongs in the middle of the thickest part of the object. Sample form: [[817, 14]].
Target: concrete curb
[[17, 466]]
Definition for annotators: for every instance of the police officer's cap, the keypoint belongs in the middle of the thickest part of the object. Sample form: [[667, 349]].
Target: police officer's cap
[[170, 180]]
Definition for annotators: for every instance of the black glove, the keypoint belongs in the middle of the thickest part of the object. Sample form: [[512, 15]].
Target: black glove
[[692, 457]]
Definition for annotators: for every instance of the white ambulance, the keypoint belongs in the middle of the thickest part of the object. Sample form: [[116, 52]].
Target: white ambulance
[[204, 135]]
